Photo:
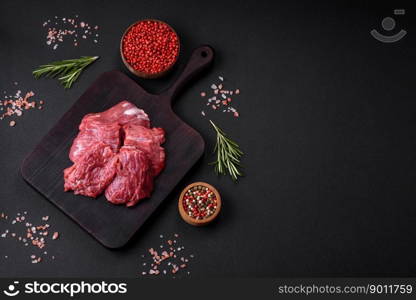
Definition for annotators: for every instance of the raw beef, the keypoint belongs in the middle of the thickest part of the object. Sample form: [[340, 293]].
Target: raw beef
[[134, 178], [105, 127], [93, 133], [93, 172], [116, 151], [148, 140], [123, 113]]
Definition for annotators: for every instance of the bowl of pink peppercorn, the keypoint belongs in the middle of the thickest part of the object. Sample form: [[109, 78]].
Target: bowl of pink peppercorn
[[149, 48]]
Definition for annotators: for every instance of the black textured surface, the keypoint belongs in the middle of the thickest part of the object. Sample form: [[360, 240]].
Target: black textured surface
[[327, 124]]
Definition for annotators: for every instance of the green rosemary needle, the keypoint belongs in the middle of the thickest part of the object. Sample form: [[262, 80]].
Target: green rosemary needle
[[67, 70], [228, 154]]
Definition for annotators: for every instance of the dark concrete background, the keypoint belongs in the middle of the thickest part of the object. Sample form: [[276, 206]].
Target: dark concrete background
[[327, 124]]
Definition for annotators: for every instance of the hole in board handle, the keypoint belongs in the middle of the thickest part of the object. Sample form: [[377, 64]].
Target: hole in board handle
[[204, 54]]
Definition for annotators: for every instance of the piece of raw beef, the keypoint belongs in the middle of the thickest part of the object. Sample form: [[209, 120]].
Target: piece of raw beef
[[106, 126], [93, 172], [148, 140], [122, 113], [133, 180], [116, 151], [108, 134]]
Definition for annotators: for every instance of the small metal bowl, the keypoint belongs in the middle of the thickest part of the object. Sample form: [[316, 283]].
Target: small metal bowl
[[143, 74], [191, 220]]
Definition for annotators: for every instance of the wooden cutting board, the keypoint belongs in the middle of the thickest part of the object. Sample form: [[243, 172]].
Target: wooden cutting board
[[113, 225]]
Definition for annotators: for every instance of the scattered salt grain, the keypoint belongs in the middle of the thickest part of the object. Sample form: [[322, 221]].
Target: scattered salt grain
[[65, 28], [15, 104], [166, 262], [226, 96], [24, 231], [55, 235]]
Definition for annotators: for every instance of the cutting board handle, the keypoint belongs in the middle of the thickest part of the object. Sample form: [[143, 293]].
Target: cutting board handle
[[200, 59]]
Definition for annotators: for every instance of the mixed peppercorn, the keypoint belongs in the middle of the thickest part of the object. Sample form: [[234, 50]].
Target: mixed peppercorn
[[199, 202]]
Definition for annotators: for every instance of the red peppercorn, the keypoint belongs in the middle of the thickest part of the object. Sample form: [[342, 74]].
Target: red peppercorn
[[150, 47]]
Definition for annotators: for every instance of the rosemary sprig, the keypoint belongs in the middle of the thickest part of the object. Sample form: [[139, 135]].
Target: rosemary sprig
[[228, 155], [67, 70]]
